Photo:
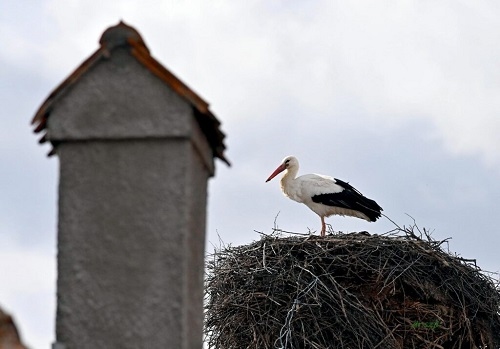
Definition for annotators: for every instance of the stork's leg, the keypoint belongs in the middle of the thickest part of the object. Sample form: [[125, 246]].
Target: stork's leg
[[323, 226]]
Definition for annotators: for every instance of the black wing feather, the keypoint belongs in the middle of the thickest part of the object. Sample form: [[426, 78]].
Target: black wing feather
[[350, 198]]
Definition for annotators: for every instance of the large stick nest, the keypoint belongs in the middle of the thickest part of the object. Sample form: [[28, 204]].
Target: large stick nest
[[348, 291]]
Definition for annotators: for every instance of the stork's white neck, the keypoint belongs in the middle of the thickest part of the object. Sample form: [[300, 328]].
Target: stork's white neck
[[287, 182]]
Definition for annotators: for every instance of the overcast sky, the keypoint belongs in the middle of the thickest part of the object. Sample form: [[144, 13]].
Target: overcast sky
[[400, 98]]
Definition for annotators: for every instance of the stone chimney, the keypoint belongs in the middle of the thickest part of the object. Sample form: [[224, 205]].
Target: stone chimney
[[136, 148]]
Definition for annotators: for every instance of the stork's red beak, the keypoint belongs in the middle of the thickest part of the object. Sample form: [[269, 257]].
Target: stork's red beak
[[280, 168]]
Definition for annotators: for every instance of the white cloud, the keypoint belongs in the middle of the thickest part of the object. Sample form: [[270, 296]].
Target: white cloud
[[387, 63], [28, 290], [382, 65]]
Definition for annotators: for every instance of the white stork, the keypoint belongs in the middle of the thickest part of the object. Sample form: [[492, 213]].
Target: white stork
[[324, 195]]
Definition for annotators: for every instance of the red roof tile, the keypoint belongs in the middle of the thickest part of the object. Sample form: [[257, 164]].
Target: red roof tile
[[9, 336]]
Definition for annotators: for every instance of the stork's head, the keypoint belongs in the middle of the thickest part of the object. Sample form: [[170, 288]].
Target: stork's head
[[287, 163]]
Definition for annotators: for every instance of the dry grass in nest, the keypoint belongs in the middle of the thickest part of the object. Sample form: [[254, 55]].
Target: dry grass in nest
[[348, 291]]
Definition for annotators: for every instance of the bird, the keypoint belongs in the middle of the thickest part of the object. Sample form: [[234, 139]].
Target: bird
[[324, 195]]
